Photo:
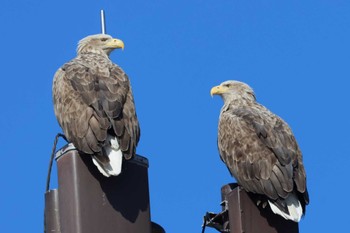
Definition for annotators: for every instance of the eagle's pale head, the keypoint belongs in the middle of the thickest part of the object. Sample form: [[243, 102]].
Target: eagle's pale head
[[100, 44], [233, 90]]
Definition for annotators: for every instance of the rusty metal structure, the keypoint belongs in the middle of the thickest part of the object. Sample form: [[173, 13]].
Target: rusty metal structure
[[240, 214], [88, 202]]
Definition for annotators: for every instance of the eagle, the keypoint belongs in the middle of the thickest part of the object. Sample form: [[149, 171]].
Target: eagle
[[94, 104], [260, 151]]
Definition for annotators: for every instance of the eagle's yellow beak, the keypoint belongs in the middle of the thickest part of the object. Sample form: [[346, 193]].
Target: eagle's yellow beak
[[218, 90], [115, 43]]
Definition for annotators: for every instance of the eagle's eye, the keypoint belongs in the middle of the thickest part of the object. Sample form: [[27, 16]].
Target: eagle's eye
[[227, 85], [104, 39]]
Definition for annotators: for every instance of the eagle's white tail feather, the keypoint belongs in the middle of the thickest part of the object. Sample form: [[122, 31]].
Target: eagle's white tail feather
[[294, 208], [115, 155]]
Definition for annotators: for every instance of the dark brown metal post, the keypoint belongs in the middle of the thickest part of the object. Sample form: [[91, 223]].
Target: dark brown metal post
[[245, 216], [51, 215], [90, 202]]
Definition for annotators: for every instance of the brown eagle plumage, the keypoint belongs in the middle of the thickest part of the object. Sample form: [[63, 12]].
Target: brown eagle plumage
[[94, 104], [260, 151]]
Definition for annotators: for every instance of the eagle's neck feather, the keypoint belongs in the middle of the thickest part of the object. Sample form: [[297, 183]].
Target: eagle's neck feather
[[244, 99], [95, 52]]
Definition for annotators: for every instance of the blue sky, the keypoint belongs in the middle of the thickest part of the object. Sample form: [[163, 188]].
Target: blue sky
[[294, 54]]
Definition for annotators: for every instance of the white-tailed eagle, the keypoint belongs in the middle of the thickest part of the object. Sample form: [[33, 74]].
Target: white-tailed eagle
[[94, 104], [260, 151]]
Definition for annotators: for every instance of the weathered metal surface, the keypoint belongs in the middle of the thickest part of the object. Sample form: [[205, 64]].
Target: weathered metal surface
[[240, 214], [51, 214], [90, 202], [245, 216]]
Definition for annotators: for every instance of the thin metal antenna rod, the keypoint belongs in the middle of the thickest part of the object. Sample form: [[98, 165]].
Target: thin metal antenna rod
[[103, 24]]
